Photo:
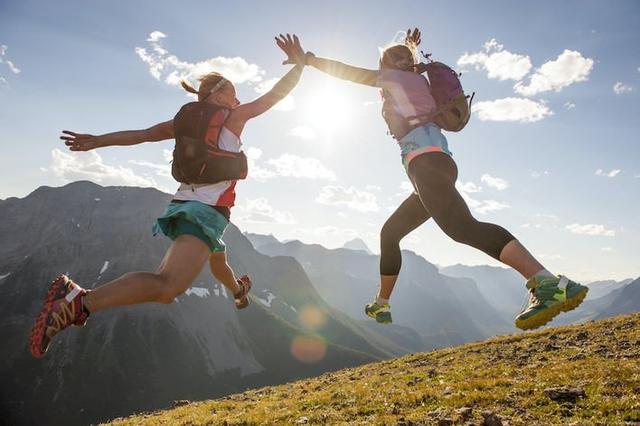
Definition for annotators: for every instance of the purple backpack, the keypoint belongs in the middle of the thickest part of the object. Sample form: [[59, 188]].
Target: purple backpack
[[453, 111]]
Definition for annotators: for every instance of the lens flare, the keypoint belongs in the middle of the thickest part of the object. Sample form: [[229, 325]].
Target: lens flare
[[312, 317], [308, 349]]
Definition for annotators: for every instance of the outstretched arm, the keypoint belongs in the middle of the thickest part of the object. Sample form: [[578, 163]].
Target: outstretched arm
[[343, 71], [86, 142], [282, 88]]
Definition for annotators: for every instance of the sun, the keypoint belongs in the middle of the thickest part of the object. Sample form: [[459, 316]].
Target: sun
[[329, 110]]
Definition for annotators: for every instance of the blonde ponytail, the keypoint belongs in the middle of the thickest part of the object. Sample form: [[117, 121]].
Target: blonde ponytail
[[208, 83], [186, 86]]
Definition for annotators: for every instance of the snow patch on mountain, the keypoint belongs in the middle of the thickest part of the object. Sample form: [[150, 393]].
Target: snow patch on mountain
[[198, 291], [270, 298]]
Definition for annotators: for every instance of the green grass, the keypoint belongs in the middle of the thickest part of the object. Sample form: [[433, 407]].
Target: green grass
[[505, 375]]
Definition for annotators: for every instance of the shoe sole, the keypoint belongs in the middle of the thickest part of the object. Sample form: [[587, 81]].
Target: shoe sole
[[376, 318], [575, 301], [550, 313], [37, 331]]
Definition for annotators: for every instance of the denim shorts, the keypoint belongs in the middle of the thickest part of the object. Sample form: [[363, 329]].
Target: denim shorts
[[426, 138]]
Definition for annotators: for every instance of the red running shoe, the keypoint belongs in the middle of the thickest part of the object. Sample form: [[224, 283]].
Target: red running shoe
[[242, 297], [62, 307]]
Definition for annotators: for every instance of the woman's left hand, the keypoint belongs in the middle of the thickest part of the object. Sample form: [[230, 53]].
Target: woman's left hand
[[292, 48], [413, 37]]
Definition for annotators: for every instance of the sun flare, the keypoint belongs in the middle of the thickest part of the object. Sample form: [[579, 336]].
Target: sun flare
[[329, 110]]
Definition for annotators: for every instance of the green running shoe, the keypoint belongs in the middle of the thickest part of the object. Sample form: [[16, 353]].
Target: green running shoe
[[381, 313], [549, 297]]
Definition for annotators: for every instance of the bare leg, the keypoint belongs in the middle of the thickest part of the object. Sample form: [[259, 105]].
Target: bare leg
[[181, 265], [223, 272], [518, 257]]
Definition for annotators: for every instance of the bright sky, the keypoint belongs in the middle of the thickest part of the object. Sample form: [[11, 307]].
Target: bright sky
[[551, 152]]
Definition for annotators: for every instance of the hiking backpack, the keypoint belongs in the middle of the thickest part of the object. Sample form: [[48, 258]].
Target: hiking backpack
[[452, 109], [197, 157]]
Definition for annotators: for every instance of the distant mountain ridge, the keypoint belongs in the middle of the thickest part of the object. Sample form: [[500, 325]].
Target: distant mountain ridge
[[357, 244], [444, 311]]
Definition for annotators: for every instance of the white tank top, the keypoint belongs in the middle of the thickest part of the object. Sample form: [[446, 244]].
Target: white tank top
[[217, 194]]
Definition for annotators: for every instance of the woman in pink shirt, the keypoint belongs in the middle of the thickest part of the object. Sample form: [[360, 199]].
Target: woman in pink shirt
[[409, 110]]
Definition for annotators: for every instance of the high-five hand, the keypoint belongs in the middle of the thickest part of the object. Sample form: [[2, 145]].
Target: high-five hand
[[413, 37], [80, 141], [291, 47]]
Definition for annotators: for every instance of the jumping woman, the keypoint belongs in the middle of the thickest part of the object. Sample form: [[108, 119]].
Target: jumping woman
[[207, 162], [409, 110]]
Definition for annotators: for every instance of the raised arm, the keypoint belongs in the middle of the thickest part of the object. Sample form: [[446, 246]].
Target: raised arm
[[86, 142], [343, 71], [278, 92]]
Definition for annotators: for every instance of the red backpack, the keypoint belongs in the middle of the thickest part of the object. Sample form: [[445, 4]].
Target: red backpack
[[197, 157]]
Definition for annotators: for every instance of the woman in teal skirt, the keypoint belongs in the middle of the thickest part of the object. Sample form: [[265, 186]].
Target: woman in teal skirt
[[194, 220]]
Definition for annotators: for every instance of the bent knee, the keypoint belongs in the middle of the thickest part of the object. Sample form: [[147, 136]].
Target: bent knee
[[390, 235], [169, 288]]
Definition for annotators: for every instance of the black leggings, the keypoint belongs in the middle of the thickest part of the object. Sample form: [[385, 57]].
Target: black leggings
[[434, 176]]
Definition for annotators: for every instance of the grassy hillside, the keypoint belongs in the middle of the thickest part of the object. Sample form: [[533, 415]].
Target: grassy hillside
[[582, 375]]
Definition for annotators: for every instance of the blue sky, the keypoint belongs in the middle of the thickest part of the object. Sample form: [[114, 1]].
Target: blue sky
[[551, 152]]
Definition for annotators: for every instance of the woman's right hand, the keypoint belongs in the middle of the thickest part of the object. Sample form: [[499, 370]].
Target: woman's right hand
[[413, 37], [292, 48], [80, 141]]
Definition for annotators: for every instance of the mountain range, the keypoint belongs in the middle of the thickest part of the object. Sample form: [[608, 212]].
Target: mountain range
[[306, 316]]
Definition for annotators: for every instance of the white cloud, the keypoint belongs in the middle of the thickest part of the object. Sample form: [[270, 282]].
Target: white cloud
[[89, 166], [512, 109], [607, 249], [468, 187], [5, 60], [610, 174], [289, 165], [260, 211], [256, 171], [169, 68], [373, 188], [494, 182], [499, 63], [286, 104], [163, 170], [620, 88], [479, 206], [303, 132], [253, 153], [569, 105], [570, 67], [590, 229], [352, 198], [406, 189], [486, 206]]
